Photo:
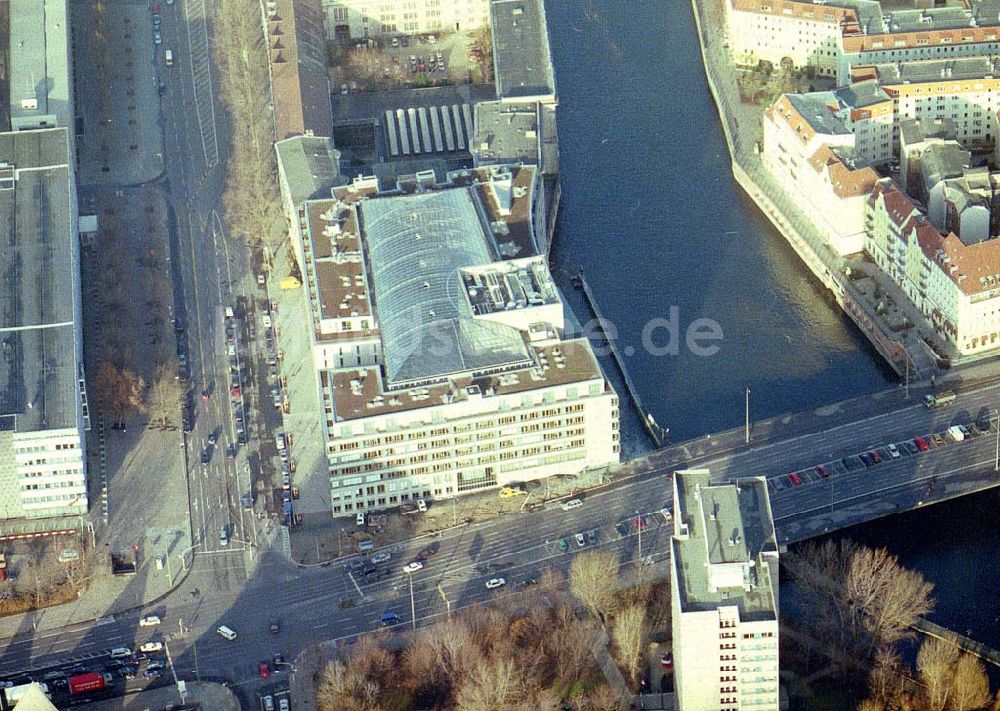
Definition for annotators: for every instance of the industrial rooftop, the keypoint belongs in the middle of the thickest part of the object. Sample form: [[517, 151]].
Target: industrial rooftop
[[521, 56], [724, 545], [40, 78], [40, 287], [416, 245]]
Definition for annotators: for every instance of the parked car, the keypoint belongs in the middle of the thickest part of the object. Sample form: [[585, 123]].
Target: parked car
[[263, 670], [866, 459], [390, 618], [937, 440], [795, 479], [921, 444], [571, 504], [623, 528], [429, 550], [381, 557], [581, 540], [592, 536], [893, 451], [412, 567], [151, 647], [910, 446], [149, 621], [822, 471], [876, 457], [563, 545], [494, 583]]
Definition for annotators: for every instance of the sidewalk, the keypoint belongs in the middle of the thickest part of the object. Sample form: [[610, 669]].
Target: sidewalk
[[200, 695]]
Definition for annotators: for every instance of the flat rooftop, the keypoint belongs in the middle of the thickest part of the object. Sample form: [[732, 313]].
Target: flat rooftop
[[521, 58], [310, 165], [360, 392], [38, 288], [723, 532], [506, 133], [40, 79]]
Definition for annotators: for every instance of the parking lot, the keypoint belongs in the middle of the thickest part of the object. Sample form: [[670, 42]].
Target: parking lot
[[407, 62]]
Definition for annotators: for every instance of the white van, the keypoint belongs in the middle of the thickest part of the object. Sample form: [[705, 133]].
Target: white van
[[168, 57], [121, 653], [226, 633], [224, 536]]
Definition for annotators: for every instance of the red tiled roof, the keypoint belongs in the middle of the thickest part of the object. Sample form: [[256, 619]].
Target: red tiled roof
[[846, 182]]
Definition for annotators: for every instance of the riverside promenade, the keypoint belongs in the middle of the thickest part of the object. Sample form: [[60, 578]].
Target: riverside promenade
[[905, 351]]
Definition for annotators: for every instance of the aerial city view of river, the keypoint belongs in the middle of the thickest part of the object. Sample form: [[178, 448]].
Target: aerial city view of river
[[651, 213]]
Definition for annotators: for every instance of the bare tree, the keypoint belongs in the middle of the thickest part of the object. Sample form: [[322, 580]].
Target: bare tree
[[482, 42], [935, 664], [970, 688], [861, 597], [120, 391], [164, 398], [884, 682], [492, 684], [629, 634], [871, 705], [250, 200], [592, 577], [366, 65]]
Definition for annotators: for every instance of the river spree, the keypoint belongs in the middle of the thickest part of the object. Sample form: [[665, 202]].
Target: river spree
[[651, 213]]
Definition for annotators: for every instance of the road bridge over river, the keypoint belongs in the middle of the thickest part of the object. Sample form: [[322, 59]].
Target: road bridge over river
[[326, 602]]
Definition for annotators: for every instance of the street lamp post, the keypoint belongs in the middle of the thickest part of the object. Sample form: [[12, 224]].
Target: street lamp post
[[638, 523], [996, 456], [413, 606], [746, 416]]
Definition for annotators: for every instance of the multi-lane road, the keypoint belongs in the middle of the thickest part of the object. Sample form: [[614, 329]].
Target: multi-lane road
[[329, 602]]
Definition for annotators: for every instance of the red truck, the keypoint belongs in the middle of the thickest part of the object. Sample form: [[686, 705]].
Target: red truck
[[87, 682]]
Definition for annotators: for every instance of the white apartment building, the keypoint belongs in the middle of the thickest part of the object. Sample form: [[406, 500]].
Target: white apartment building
[[964, 91], [359, 19], [954, 284], [724, 595], [810, 152], [440, 343], [43, 411], [807, 34], [836, 36], [921, 42]]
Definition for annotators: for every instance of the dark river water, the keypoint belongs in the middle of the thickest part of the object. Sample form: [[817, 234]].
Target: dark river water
[[651, 213]]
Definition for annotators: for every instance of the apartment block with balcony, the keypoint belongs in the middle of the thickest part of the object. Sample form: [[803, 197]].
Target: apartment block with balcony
[[954, 282], [724, 594], [444, 360]]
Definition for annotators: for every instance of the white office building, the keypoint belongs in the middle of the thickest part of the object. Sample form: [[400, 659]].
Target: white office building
[[724, 595], [444, 359], [359, 19]]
